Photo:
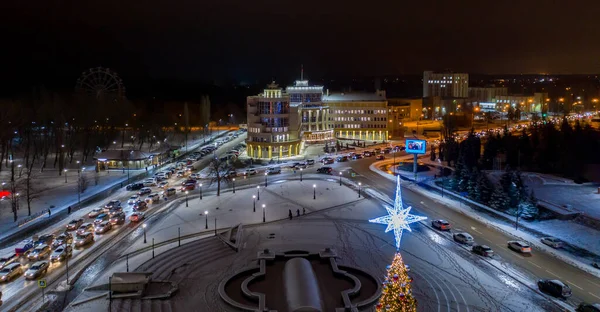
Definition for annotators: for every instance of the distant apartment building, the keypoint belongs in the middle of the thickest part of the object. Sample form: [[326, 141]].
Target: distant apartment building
[[401, 110], [487, 94], [454, 85], [358, 116]]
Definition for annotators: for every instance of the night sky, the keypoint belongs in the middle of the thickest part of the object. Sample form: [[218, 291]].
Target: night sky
[[53, 41]]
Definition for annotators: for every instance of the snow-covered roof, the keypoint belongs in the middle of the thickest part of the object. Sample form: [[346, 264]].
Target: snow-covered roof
[[123, 155], [354, 97]]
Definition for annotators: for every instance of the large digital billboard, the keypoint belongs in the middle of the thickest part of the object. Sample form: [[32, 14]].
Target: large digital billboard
[[416, 146]]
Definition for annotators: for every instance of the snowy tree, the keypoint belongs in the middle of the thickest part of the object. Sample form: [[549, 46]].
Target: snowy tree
[[485, 187], [397, 293], [499, 200], [472, 185]]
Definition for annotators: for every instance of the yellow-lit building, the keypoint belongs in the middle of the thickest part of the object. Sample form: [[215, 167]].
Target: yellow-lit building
[[358, 116]]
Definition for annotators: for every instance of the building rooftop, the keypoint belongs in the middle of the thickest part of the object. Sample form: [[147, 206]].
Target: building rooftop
[[355, 97]]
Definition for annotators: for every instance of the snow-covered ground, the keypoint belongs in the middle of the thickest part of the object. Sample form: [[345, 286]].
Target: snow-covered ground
[[560, 191]]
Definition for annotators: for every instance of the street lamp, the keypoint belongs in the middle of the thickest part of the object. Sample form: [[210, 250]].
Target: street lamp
[[266, 174], [206, 224], [200, 191], [340, 178], [78, 166], [258, 192], [359, 184], [65, 175], [233, 180], [144, 227], [186, 198], [263, 213], [314, 191], [20, 171], [300, 174], [254, 206]]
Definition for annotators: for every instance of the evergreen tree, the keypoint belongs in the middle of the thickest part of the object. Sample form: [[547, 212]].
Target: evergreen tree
[[485, 187], [397, 293], [528, 207], [472, 186], [498, 200]]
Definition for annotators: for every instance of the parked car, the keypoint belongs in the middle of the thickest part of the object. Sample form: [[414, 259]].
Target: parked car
[[115, 211], [195, 176], [463, 238], [554, 288], [588, 307], [250, 171], [61, 253], [357, 156], [149, 182], [96, 212], [8, 259], [301, 165], [483, 250], [37, 270], [170, 191], [103, 227], [64, 238], [118, 219], [188, 187], [341, 159], [380, 157], [152, 198], [84, 239], [140, 205], [136, 217], [327, 161], [180, 174], [40, 252], [45, 239], [519, 246], [552, 242], [134, 186], [74, 224], [144, 191], [325, 170], [188, 181], [310, 162], [441, 225], [113, 204], [101, 218], [133, 199], [24, 248], [11, 271], [86, 227], [274, 170]]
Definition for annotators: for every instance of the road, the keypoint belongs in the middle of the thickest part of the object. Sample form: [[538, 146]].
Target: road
[[19, 287], [539, 265]]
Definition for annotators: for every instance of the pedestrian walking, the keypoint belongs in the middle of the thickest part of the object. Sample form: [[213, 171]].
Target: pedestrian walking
[[303, 211], [69, 209], [290, 214], [298, 212]]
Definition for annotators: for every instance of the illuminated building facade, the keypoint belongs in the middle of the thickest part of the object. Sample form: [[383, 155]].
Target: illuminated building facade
[[454, 85], [358, 116], [314, 114]]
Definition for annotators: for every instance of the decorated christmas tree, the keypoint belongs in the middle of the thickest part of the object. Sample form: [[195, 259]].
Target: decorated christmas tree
[[397, 294]]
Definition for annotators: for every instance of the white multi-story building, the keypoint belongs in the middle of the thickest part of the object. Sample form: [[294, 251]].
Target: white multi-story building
[[455, 85], [313, 112], [358, 116]]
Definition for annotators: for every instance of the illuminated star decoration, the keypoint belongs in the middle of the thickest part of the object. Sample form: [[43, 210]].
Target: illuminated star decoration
[[398, 218]]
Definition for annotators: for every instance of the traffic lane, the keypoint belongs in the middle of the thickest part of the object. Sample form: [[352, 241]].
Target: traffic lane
[[540, 265]]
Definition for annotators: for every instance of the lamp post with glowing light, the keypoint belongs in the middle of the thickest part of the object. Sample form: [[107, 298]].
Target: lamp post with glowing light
[[314, 191], [300, 174], [206, 224], [254, 206], [359, 184], [65, 175], [258, 192], [266, 175], [186, 198], [144, 227], [340, 178], [200, 191], [263, 206], [233, 181]]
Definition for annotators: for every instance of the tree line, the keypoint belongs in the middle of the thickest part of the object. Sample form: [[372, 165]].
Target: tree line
[[564, 149]]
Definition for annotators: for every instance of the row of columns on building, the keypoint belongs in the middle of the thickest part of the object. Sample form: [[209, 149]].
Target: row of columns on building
[[322, 122], [368, 135], [267, 151]]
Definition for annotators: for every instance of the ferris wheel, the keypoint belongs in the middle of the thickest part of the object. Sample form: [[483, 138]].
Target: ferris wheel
[[101, 83]]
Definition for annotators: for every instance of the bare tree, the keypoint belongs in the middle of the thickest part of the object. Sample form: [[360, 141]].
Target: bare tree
[[218, 172]]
